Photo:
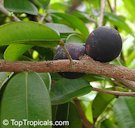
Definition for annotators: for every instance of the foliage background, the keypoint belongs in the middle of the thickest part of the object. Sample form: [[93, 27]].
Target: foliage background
[[48, 96]]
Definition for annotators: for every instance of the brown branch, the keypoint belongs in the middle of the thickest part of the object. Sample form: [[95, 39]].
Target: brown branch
[[7, 13], [101, 17], [127, 83], [85, 65], [116, 93], [113, 9], [86, 123], [108, 1]]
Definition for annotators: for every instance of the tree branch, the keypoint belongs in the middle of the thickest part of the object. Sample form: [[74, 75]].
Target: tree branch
[[86, 123], [85, 65], [7, 13], [116, 93], [101, 17], [127, 83]]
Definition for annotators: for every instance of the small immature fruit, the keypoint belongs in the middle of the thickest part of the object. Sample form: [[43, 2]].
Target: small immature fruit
[[76, 51], [104, 44]]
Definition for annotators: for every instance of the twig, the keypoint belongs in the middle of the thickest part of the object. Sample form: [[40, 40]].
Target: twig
[[110, 6], [86, 123], [113, 9], [116, 93], [127, 83], [85, 65], [42, 18], [101, 17], [66, 51], [7, 13], [115, 5]]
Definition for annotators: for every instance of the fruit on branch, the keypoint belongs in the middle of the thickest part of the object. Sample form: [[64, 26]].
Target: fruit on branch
[[75, 50], [104, 44]]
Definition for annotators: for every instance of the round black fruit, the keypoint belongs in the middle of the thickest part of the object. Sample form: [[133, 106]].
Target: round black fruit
[[104, 44], [75, 50]]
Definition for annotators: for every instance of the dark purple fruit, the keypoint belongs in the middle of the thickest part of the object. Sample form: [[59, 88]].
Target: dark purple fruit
[[75, 50], [104, 44]]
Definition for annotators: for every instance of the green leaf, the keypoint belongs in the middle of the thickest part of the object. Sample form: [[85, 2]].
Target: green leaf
[[25, 97], [31, 33], [64, 90], [22, 6], [108, 124], [46, 77], [83, 16], [100, 103], [44, 3], [15, 51], [130, 58], [91, 77], [129, 5], [74, 22], [74, 38], [59, 6], [74, 117], [70, 114], [124, 110], [118, 21], [61, 28], [58, 112], [88, 112], [41, 3], [4, 77]]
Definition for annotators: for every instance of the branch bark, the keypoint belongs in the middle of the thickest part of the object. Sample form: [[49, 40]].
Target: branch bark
[[127, 83], [85, 65], [116, 93], [86, 123], [7, 13], [101, 17]]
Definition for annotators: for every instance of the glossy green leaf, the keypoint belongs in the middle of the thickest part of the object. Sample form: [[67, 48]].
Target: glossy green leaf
[[46, 77], [108, 124], [44, 3], [58, 111], [91, 77], [41, 3], [66, 89], [118, 21], [22, 6], [4, 77], [74, 38], [74, 22], [74, 117], [83, 16], [129, 5], [25, 97], [88, 112], [132, 64], [15, 51], [100, 103], [130, 57], [31, 33], [61, 28], [59, 6], [124, 109], [70, 114]]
